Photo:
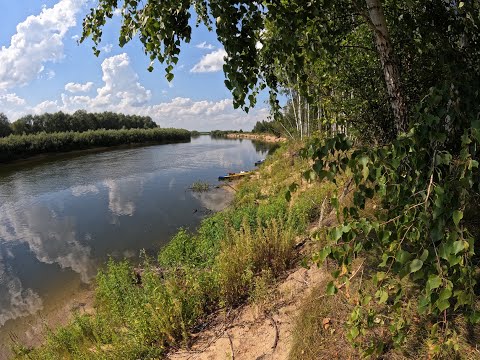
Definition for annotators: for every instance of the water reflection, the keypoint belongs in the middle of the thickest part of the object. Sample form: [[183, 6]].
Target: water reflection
[[15, 301], [51, 237], [59, 220], [81, 190], [122, 195]]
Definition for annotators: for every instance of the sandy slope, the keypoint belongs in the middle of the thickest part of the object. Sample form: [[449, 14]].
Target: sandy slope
[[252, 332]]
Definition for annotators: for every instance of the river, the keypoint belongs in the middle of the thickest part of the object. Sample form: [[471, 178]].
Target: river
[[61, 218]]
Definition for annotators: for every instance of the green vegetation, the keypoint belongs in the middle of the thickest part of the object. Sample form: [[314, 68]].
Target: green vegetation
[[268, 127], [20, 146], [224, 133], [200, 186], [140, 316], [79, 121]]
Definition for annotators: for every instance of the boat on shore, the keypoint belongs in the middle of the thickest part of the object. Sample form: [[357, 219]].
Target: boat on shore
[[259, 162], [232, 176]]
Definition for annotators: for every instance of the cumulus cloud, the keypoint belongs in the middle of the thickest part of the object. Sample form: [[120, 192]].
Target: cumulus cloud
[[211, 62], [11, 104], [205, 45], [122, 92], [74, 87], [38, 40], [121, 84]]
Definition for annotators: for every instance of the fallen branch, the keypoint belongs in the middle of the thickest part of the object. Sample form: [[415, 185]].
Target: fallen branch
[[231, 345], [277, 333]]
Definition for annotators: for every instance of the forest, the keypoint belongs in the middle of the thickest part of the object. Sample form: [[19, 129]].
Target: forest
[[79, 121]]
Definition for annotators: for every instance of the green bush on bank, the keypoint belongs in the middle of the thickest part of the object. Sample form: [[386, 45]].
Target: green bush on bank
[[195, 274], [20, 146]]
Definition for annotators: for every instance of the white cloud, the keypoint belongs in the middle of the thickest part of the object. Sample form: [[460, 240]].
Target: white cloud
[[74, 87], [76, 37], [205, 46], [39, 39], [121, 84], [211, 62], [12, 99], [122, 92], [107, 49]]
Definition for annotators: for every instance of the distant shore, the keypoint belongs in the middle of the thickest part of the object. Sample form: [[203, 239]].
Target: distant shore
[[260, 137]]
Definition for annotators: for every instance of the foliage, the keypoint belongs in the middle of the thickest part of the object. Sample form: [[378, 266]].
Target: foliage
[[20, 146], [4, 126], [267, 127], [423, 181], [79, 121], [223, 133]]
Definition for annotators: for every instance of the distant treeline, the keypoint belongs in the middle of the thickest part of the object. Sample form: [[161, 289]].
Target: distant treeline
[[79, 121], [224, 133], [21, 146], [267, 127]]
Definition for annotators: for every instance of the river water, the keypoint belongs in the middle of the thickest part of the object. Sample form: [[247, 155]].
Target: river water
[[60, 219]]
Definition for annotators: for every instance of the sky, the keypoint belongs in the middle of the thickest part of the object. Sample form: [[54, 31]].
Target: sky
[[44, 69]]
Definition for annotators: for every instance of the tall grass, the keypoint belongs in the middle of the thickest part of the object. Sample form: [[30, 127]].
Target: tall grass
[[194, 275], [19, 146]]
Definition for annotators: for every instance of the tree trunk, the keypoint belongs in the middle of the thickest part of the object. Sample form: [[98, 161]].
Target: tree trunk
[[390, 67]]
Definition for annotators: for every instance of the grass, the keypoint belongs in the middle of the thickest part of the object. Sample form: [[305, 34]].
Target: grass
[[200, 186], [234, 255]]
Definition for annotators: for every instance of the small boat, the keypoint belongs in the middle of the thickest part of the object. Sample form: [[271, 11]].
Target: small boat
[[259, 162], [231, 176]]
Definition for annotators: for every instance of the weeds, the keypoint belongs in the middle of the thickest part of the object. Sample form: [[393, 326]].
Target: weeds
[[200, 186]]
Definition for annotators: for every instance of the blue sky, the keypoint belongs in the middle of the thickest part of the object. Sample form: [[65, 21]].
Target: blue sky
[[43, 69]]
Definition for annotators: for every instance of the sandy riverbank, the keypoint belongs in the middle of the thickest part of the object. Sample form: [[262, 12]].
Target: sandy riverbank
[[258, 137]]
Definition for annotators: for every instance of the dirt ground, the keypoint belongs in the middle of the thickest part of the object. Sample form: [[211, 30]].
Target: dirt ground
[[260, 137], [254, 332]]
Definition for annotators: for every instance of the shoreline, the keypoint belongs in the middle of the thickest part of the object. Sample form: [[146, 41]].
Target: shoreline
[[32, 330], [54, 156], [259, 137]]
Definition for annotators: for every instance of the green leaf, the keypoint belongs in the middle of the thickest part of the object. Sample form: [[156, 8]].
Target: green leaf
[[445, 294], [402, 256], [353, 333], [475, 317], [382, 296], [324, 253], [336, 233], [458, 246], [457, 216], [366, 300], [169, 77], [434, 282], [442, 304], [331, 288], [415, 265]]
